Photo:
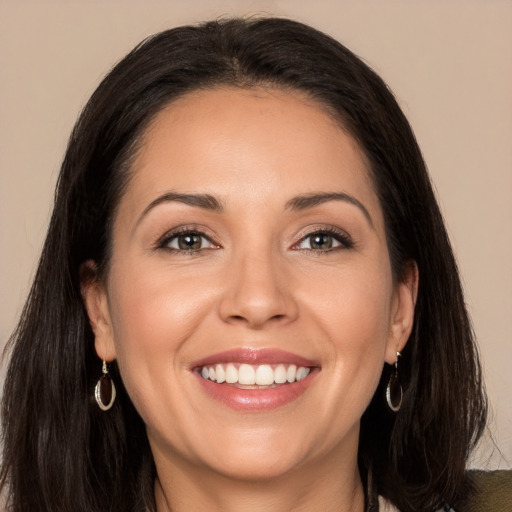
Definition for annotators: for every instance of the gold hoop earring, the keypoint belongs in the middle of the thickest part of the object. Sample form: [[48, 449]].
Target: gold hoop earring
[[394, 392], [105, 391]]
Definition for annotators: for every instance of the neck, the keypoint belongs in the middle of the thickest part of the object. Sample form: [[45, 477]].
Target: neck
[[324, 486]]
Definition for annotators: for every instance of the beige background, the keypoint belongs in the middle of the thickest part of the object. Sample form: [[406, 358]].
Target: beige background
[[448, 61]]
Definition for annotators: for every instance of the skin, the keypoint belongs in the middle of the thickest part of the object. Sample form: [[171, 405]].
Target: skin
[[257, 282]]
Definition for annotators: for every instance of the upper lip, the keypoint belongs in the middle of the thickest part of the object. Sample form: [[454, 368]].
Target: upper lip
[[255, 356]]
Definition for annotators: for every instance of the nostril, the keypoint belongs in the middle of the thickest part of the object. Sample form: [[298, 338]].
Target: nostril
[[256, 321], [243, 304]]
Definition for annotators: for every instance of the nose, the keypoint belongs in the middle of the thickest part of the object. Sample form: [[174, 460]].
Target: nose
[[258, 292]]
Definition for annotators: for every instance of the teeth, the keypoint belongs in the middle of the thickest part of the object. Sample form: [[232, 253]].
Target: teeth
[[249, 375], [280, 374], [220, 373], [291, 372], [231, 374], [264, 375], [246, 375], [302, 373]]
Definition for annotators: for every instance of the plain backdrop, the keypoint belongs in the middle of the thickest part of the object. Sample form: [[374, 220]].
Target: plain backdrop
[[449, 63]]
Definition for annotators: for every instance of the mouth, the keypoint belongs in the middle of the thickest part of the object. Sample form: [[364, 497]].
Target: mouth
[[255, 380]]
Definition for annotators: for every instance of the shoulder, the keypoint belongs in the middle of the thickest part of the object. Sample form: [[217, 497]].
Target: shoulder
[[386, 506], [490, 490]]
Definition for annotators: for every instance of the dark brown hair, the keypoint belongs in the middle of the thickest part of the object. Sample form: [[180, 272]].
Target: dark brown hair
[[60, 451]]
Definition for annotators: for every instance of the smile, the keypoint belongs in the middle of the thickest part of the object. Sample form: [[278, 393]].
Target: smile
[[254, 375], [255, 380]]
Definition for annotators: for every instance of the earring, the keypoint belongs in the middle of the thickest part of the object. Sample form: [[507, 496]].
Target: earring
[[394, 389], [105, 391]]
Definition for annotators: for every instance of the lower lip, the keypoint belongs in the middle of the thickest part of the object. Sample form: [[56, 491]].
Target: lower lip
[[256, 399]]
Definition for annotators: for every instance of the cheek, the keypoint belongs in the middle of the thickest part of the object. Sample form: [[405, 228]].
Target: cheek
[[353, 313], [152, 298], [362, 324], [153, 313], [353, 304]]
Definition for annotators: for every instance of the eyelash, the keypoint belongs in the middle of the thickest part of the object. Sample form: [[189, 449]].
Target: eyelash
[[168, 238], [341, 237], [344, 240]]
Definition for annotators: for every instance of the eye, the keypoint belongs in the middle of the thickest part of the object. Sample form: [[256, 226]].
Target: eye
[[188, 241], [325, 240]]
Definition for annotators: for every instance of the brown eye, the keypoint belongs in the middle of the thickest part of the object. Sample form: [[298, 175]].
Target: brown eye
[[321, 241], [324, 241], [188, 242]]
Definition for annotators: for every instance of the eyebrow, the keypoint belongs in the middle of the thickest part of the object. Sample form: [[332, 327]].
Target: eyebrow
[[298, 203], [205, 201], [306, 201]]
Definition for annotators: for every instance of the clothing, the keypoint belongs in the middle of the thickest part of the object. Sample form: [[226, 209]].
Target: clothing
[[386, 506], [491, 492]]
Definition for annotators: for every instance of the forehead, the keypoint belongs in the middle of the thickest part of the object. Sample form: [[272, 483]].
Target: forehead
[[250, 144]]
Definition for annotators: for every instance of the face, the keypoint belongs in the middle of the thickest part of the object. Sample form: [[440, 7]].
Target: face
[[249, 301]]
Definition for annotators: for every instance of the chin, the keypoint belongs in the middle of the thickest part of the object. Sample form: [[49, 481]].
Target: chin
[[261, 454], [257, 468]]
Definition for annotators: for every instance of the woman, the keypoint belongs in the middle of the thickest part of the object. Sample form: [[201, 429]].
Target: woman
[[247, 299]]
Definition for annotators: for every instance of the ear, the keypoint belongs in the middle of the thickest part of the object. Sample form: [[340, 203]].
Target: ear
[[95, 300], [402, 312]]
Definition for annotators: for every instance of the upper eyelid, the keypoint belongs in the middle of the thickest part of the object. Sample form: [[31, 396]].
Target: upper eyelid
[[341, 235], [331, 230], [188, 228], [183, 230]]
